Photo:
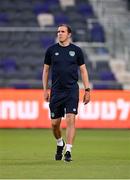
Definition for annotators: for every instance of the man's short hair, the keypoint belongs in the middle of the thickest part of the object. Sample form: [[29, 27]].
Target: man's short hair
[[67, 26]]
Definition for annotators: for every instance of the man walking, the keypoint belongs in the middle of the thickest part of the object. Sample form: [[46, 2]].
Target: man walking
[[64, 59]]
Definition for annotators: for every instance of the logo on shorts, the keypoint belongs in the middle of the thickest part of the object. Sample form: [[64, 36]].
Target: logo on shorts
[[71, 53], [56, 54], [52, 114], [74, 109]]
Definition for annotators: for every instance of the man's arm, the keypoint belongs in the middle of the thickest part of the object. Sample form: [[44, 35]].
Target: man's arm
[[84, 76], [45, 81], [85, 80]]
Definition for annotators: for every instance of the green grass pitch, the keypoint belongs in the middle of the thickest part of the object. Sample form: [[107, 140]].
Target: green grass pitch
[[97, 154]]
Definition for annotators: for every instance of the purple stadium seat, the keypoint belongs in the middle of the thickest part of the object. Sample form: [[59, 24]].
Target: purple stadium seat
[[85, 9], [3, 18], [97, 33], [101, 86], [101, 50], [41, 8], [8, 64], [61, 19], [106, 86], [20, 85], [45, 6], [107, 76], [47, 41]]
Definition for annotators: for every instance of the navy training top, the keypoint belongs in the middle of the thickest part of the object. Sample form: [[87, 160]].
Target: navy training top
[[64, 62]]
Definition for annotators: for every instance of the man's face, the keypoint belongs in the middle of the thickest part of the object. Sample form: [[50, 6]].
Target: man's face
[[63, 34]]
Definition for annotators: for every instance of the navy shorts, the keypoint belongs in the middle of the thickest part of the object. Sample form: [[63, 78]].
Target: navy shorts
[[64, 102]]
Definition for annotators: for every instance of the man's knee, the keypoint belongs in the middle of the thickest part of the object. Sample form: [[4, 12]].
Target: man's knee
[[55, 123], [70, 119]]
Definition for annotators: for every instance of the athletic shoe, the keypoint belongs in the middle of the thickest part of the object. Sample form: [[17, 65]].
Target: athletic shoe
[[59, 152], [67, 156]]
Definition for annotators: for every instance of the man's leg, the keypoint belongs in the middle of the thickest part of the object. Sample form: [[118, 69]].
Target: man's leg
[[56, 127], [70, 130], [57, 134], [70, 134]]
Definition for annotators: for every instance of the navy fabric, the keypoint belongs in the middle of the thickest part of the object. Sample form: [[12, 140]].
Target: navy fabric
[[64, 63], [63, 102]]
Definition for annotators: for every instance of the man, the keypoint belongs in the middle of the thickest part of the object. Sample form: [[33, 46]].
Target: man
[[64, 58]]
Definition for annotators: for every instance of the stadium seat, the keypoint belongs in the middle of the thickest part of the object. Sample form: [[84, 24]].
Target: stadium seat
[[45, 19], [97, 33], [65, 4], [60, 19], [107, 76], [47, 41], [19, 85], [107, 86], [41, 8], [86, 10], [8, 64], [4, 18]]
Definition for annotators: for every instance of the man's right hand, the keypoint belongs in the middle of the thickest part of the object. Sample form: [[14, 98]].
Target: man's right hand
[[46, 96]]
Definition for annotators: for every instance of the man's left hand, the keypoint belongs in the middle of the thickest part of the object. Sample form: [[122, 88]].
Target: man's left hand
[[86, 97]]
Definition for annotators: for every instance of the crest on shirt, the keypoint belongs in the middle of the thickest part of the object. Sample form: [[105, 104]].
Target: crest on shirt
[[56, 53], [71, 53], [52, 114]]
